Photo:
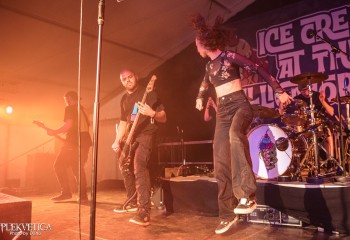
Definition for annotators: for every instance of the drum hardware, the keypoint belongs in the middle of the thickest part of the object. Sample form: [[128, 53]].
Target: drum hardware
[[336, 50], [308, 160], [295, 115], [345, 99], [308, 79]]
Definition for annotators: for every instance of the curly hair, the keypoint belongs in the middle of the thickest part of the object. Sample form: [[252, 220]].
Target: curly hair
[[214, 37]]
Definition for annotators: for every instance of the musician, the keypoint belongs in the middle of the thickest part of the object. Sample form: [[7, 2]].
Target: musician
[[68, 156], [232, 163], [323, 111], [134, 167]]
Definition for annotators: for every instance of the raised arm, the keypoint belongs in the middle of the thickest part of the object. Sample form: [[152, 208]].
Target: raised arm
[[251, 66]]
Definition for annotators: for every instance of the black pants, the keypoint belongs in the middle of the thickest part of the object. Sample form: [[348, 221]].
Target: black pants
[[68, 159], [232, 162], [136, 176]]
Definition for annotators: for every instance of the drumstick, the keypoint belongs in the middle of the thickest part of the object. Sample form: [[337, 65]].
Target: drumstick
[[322, 89]]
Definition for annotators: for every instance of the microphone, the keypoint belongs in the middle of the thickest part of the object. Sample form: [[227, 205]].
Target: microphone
[[312, 33], [346, 82]]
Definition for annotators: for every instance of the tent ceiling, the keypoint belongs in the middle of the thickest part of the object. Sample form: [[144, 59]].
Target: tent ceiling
[[39, 45]]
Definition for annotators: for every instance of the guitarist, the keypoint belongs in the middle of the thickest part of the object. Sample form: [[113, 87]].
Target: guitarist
[[134, 166], [68, 155]]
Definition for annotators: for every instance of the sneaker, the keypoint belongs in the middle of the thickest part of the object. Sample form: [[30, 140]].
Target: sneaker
[[142, 218], [225, 225], [245, 206], [131, 207], [61, 197]]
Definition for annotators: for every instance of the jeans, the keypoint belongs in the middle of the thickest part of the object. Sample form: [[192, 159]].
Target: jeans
[[68, 158], [232, 162], [137, 176]]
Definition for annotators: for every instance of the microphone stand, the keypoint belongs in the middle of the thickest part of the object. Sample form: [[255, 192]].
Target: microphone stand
[[95, 124], [335, 50], [183, 154]]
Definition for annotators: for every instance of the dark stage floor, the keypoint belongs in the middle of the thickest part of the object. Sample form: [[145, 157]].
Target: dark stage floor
[[63, 219]]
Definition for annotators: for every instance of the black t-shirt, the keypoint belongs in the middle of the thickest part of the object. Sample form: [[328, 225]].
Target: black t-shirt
[[129, 110], [71, 112]]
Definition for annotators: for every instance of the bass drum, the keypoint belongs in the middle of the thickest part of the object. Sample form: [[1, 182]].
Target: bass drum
[[271, 151]]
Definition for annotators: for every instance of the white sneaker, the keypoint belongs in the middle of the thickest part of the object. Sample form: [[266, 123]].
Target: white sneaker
[[225, 225], [245, 206]]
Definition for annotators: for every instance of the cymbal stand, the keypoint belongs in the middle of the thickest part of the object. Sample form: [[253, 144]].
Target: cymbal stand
[[314, 135], [347, 141], [346, 150], [329, 158], [335, 50], [314, 145]]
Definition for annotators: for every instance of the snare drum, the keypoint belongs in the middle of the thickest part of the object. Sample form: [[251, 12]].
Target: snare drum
[[271, 150]]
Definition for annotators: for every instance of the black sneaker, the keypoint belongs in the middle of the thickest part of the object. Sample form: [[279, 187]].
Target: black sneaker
[[225, 225], [142, 218], [245, 206], [131, 207], [62, 197]]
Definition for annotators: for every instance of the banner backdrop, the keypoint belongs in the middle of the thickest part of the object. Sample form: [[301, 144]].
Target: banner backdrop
[[282, 41]]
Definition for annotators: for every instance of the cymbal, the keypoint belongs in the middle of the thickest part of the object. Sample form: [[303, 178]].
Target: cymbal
[[309, 78], [343, 99], [299, 103], [292, 119], [264, 112]]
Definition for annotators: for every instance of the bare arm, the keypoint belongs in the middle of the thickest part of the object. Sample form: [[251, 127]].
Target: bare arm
[[146, 110], [211, 103], [120, 132], [329, 109], [62, 129]]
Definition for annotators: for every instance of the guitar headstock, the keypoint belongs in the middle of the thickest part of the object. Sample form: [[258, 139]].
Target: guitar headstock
[[150, 84], [39, 123]]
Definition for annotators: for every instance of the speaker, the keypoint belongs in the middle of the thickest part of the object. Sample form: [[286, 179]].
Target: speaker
[[14, 212]]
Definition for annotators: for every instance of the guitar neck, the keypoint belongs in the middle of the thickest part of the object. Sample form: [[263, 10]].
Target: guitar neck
[[133, 127], [42, 125]]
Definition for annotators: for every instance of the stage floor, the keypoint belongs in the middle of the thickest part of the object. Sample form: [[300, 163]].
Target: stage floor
[[64, 221]]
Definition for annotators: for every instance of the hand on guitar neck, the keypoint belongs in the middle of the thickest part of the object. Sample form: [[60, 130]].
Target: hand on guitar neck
[[49, 131]]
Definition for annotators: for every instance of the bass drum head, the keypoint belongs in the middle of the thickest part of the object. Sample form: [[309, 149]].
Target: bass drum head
[[270, 151]]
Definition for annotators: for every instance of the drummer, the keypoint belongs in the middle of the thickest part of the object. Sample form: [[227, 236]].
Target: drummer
[[323, 111], [319, 99]]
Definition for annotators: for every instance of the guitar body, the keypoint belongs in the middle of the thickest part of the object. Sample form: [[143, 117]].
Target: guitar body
[[125, 155]]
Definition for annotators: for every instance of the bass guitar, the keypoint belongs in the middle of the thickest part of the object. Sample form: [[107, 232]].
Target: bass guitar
[[124, 155]]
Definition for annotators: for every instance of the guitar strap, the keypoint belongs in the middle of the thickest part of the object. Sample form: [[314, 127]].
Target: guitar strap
[[85, 136]]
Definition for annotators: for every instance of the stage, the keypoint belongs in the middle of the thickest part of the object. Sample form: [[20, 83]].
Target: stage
[[326, 206], [68, 220]]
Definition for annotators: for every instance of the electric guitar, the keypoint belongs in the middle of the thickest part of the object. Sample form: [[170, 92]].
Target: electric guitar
[[127, 146], [42, 125]]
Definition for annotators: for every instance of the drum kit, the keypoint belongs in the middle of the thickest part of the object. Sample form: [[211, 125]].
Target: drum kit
[[285, 152]]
